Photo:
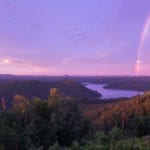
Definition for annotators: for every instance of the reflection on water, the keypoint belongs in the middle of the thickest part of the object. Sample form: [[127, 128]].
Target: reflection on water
[[110, 93]]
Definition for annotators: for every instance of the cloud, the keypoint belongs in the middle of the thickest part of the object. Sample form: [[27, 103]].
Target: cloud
[[104, 55], [138, 62], [119, 45], [73, 32], [16, 66], [9, 61], [85, 30], [5, 61], [93, 61], [66, 61]]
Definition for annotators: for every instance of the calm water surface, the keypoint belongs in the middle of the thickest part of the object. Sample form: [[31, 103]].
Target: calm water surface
[[110, 93]]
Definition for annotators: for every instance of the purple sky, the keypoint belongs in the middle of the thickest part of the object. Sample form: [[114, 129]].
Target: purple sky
[[75, 37]]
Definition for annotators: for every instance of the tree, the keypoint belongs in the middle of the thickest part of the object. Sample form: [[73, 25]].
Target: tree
[[54, 96], [21, 104], [3, 103]]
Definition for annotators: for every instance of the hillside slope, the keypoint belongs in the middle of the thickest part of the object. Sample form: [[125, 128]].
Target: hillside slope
[[32, 88], [131, 116]]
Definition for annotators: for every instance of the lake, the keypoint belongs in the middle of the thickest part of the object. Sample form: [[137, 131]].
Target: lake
[[111, 93]]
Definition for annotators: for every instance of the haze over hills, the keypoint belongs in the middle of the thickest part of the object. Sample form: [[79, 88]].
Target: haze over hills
[[138, 83]]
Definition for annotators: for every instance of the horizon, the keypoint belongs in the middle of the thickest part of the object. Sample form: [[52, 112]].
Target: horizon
[[75, 38], [36, 75]]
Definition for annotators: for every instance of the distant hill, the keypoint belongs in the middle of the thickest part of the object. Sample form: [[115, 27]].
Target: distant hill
[[130, 84], [32, 88], [138, 83]]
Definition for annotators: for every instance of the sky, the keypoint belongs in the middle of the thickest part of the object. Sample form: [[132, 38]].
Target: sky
[[75, 37]]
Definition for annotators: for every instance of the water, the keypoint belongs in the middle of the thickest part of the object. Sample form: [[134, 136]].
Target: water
[[111, 93]]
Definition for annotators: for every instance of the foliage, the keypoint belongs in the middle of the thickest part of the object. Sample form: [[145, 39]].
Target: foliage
[[43, 123], [132, 116], [60, 123]]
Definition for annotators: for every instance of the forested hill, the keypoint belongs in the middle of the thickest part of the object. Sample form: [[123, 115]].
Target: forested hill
[[60, 123], [136, 83], [131, 116], [32, 88]]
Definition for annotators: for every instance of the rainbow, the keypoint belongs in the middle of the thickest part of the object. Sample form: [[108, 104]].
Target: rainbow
[[140, 49]]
